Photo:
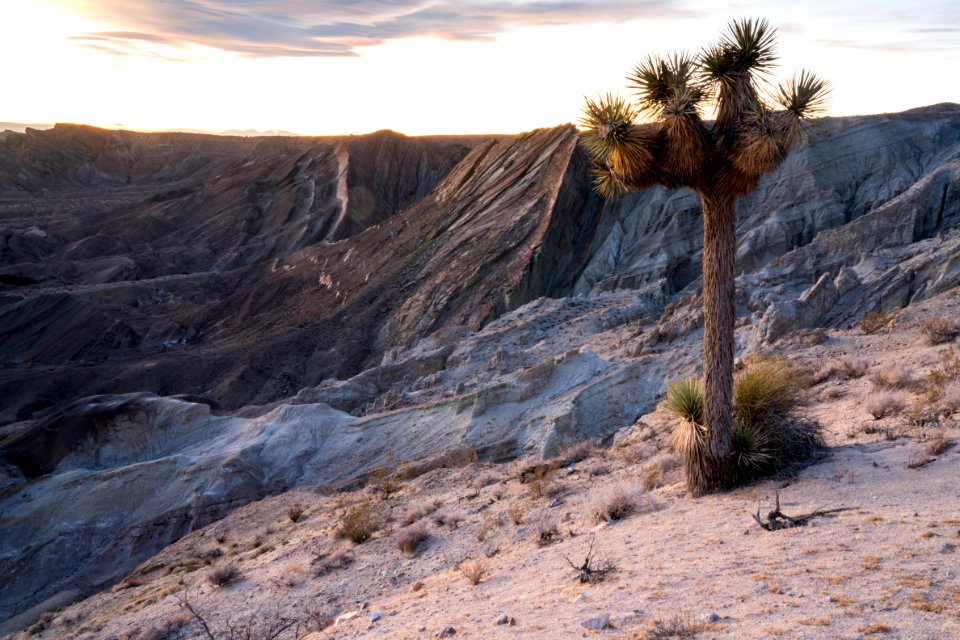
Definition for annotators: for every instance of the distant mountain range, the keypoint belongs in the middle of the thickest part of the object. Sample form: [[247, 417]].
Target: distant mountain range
[[20, 127]]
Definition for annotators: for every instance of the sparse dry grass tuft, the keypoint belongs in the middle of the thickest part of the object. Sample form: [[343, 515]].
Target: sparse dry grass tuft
[[449, 520], [413, 514], [894, 377], [474, 570], [224, 575], [884, 403], [327, 563], [874, 628], [654, 472], [484, 479], [546, 532], [515, 512], [680, 625], [293, 573], [939, 330], [609, 504], [846, 369], [937, 444]]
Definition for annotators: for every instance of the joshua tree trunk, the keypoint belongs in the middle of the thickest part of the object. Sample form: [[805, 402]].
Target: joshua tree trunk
[[719, 253]]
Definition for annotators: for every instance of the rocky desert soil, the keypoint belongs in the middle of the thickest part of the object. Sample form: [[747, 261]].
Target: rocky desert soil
[[885, 567]]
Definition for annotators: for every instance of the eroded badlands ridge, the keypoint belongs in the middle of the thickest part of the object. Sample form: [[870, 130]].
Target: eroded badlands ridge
[[383, 294]]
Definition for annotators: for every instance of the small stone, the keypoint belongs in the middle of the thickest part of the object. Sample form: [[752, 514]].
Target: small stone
[[417, 586], [600, 622], [711, 617], [580, 598], [376, 616], [343, 617], [447, 632], [506, 620]]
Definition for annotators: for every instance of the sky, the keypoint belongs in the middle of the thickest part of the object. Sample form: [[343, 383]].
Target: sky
[[420, 67]]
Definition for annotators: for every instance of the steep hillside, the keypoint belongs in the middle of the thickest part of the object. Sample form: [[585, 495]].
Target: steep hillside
[[882, 565], [115, 246]]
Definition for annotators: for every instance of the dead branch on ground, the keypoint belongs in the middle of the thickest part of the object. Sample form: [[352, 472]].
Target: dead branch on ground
[[777, 519]]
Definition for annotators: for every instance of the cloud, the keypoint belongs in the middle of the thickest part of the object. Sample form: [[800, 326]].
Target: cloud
[[267, 28]]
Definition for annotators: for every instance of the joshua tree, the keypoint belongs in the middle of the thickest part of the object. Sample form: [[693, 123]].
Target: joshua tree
[[721, 161]]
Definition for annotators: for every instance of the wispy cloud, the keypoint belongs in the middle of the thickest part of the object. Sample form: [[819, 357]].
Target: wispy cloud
[[328, 28]]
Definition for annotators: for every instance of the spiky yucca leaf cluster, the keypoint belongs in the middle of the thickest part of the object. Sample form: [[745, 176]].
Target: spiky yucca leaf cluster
[[682, 150], [767, 435], [685, 399], [619, 148]]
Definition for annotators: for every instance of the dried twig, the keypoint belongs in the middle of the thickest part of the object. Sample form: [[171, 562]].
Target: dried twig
[[777, 519], [592, 570]]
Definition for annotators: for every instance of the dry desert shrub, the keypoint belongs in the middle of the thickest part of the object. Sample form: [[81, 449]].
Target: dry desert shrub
[[413, 514], [937, 444], [947, 398], [484, 479], [292, 573], [609, 504], [295, 513], [383, 482], [169, 628], [545, 487], [487, 525], [515, 512], [939, 330], [594, 568], [597, 468], [224, 575], [575, 452], [328, 562], [832, 393], [358, 522], [412, 539], [892, 377], [449, 520], [474, 570], [546, 531], [940, 391], [884, 403], [877, 320], [654, 472], [679, 625], [846, 369]]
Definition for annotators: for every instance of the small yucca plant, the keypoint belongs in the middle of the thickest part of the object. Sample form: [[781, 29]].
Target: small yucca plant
[[685, 400], [767, 433], [765, 389], [752, 448], [689, 439]]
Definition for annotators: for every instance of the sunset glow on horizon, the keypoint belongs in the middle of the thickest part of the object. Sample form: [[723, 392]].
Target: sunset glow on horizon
[[316, 67]]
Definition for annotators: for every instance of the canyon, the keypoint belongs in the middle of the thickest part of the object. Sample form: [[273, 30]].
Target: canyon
[[191, 323]]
